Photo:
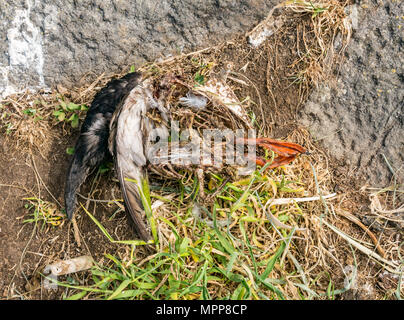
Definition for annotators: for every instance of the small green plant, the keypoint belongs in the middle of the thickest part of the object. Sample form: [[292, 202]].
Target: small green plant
[[105, 167], [9, 127], [309, 6], [199, 78], [69, 112], [31, 112], [70, 151], [316, 10], [43, 211], [5, 121], [202, 75]]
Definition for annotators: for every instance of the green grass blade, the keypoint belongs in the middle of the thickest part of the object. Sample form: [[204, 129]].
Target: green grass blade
[[121, 287], [77, 296]]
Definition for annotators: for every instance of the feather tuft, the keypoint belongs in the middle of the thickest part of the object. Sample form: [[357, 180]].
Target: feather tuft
[[193, 101]]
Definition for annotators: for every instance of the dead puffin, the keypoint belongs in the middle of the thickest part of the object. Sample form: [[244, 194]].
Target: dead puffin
[[130, 116]]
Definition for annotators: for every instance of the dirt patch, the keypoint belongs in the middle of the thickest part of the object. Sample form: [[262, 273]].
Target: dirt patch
[[270, 78], [26, 248]]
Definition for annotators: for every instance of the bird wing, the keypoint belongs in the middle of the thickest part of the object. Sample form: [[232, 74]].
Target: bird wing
[[132, 181], [126, 143], [92, 145]]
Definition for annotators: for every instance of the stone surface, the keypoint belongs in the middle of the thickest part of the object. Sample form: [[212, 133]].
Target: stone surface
[[43, 42], [360, 118]]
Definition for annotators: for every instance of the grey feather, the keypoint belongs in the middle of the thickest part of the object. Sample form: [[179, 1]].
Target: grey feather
[[193, 101], [126, 143]]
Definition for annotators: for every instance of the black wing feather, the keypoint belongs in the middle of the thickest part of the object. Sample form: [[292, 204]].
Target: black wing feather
[[92, 145]]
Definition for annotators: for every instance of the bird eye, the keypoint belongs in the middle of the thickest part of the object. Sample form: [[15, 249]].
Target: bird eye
[[157, 138]]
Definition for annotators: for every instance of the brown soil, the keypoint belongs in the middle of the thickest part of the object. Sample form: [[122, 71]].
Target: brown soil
[[25, 251]]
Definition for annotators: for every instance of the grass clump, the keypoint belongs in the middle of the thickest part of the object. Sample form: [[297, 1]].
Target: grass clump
[[236, 246]]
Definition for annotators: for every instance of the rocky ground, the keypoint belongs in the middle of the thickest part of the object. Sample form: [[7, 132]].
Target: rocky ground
[[360, 116], [44, 43]]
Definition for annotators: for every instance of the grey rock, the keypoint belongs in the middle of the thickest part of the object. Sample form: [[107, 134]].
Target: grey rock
[[360, 117], [44, 42]]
